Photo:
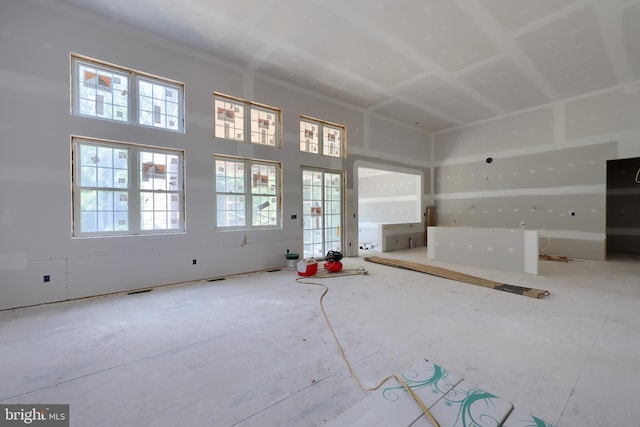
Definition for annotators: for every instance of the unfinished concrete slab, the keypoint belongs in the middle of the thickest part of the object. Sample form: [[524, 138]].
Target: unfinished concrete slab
[[254, 350]]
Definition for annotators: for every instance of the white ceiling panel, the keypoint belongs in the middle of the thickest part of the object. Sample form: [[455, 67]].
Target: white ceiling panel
[[436, 29], [631, 30], [408, 113], [439, 96], [514, 14], [504, 84], [304, 71], [439, 63], [361, 54], [571, 54], [297, 24]]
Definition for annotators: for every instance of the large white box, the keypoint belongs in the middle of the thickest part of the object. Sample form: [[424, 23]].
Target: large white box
[[500, 248]]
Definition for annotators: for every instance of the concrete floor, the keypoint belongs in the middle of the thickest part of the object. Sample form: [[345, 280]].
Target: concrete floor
[[254, 350]]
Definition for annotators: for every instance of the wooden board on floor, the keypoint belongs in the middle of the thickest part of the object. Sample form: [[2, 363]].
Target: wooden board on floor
[[457, 276], [557, 258]]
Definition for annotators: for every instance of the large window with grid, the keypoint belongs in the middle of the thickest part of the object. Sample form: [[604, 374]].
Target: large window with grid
[[126, 189], [247, 193], [241, 120], [318, 136], [119, 94]]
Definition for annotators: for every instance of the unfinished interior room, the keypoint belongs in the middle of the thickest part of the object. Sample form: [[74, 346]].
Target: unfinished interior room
[[320, 213]]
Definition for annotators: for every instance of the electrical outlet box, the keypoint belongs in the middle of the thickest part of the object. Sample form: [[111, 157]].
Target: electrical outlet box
[[195, 261], [46, 278]]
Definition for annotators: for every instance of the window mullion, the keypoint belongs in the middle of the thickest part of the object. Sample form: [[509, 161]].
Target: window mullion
[[248, 198], [134, 82], [248, 110], [321, 139], [134, 192]]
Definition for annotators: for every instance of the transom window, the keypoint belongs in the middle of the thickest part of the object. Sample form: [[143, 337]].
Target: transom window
[[318, 136], [110, 92], [126, 189], [247, 193], [262, 125]]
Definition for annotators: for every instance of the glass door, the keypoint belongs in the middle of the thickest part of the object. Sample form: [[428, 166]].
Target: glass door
[[322, 206]]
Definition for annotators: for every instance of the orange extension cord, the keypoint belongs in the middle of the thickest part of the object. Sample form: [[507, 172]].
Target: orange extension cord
[[398, 378]]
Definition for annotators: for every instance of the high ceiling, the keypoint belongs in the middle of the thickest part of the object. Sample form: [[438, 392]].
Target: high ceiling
[[434, 64]]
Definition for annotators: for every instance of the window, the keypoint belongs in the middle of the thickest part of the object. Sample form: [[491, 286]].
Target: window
[[319, 136], [101, 92], [126, 189], [158, 104], [247, 193], [262, 125], [108, 92]]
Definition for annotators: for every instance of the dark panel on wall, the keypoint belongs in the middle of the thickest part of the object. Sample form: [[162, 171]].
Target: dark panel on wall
[[623, 205]]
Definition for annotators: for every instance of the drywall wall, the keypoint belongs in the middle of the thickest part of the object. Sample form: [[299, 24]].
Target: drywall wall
[[400, 236], [546, 168], [35, 167], [522, 130]]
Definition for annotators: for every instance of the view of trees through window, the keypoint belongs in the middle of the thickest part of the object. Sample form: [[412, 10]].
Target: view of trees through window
[[111, 197], [247, 193]]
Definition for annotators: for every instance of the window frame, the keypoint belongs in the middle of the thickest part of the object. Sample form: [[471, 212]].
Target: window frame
[[249, 107], [248, 193], [133, 93], [134, 188], [322, 145]]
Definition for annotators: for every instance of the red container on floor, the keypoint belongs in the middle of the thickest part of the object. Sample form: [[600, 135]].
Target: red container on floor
[[333, 266], [307, 267]]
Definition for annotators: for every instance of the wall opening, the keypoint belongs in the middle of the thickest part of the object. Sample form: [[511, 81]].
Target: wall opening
[[386, 197]]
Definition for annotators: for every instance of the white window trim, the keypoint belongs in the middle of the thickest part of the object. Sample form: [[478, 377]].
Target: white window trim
[[249, 105], [248, 162], [134, 190], [321, 143], [133, 95]]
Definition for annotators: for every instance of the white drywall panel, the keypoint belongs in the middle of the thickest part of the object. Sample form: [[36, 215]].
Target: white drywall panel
[[514, 15], [505, 84], [498, 248], [446, 99], [23, 284], [577, 166], [602, 113], [389, 138], [631, 30], [351, 219], [537, 211], [570, 53], [527, 129], [531, 252], [400, 236], [406, 111]]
